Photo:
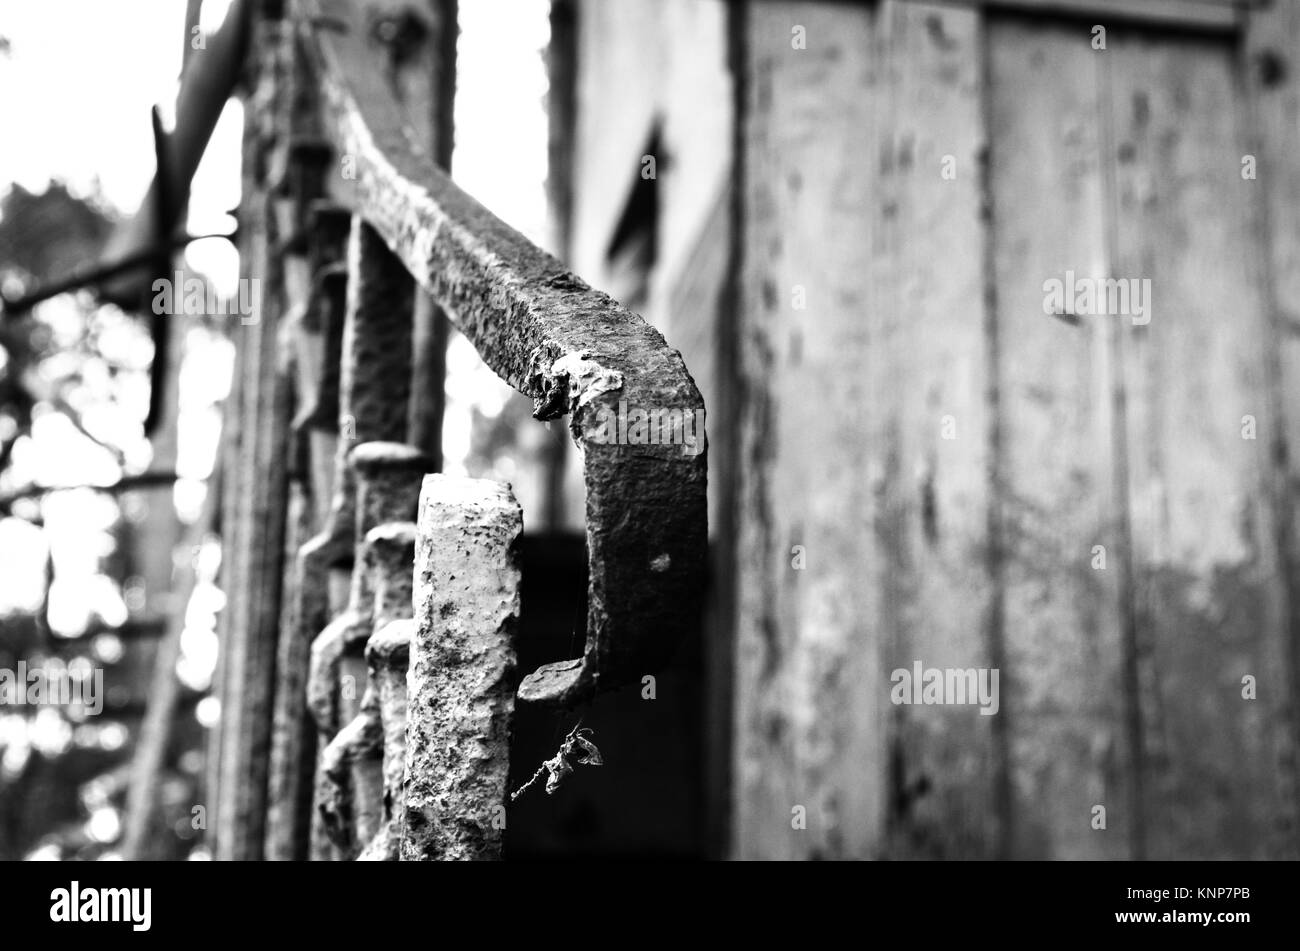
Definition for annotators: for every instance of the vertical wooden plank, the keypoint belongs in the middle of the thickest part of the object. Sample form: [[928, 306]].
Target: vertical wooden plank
[[863, 512], [1061, 617], [810, 737], [930, 457], [249, 672], [1206, 568], [1271, 57]]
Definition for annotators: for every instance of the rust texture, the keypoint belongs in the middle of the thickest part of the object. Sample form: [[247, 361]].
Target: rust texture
[[319, 235], [374, 379], [572, 349], [387, 478], [388, 654], [317, 323], [376, 372], [462, 670], [352, 799], [374, 345], [323, 319]]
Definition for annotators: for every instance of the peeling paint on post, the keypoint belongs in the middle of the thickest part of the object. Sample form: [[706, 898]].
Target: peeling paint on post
[[462, 674]]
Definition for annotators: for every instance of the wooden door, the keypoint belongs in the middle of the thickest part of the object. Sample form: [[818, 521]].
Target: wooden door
[[1095, 502]]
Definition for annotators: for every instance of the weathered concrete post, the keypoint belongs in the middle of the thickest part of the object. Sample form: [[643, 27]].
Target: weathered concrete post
[[462, 678]]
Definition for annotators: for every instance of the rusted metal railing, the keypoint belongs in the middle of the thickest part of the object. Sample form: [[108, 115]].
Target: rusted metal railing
[[373, 773]]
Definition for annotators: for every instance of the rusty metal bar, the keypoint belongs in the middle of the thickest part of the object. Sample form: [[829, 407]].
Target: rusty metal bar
[[316, 330], [373, 388], [388, 652], [570, 348], [315, 248], [352, 798], [387, 479], [462, 670]]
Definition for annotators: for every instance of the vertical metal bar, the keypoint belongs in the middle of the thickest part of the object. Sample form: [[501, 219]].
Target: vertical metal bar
[[352, 795], [387, 485], [317, 341], [462, 674]]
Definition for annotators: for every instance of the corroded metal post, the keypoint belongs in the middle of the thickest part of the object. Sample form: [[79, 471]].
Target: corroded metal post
[[572, 349], [388, 653], [386, 476], [352, 795], [462, 675], [363, 390], [317, 331]]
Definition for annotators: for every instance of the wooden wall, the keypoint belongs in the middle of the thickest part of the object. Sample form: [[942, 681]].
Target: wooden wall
[[928, 462]]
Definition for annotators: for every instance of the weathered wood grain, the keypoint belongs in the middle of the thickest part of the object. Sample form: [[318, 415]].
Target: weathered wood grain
[[1064, 684], [811, 693], [1219, 16], [946, 775], [1208, 586], [1271, 60], [261, 503]]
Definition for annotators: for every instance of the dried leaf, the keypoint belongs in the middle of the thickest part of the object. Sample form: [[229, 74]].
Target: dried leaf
[[590, 755]]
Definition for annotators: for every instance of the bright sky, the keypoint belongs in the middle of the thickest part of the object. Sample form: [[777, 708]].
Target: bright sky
[[76, 87]]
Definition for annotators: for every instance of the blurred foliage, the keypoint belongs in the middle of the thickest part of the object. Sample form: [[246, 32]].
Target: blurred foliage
[[42, 237], [63, 778], [50, 234]]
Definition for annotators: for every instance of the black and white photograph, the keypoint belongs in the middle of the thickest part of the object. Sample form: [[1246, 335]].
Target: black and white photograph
[[631, 432]]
